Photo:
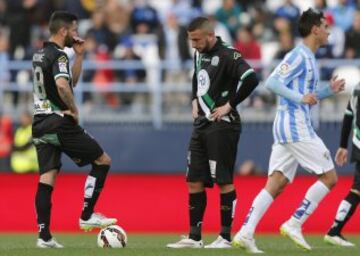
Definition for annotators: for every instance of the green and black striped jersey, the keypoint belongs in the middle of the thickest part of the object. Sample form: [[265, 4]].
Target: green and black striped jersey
[[217, 78], [49, 64]]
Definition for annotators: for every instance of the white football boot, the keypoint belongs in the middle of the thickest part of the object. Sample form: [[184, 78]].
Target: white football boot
[[220, 243], [294, 233], [186, 242], [245, 242], [52, 243], [338, 240], [97, 220]]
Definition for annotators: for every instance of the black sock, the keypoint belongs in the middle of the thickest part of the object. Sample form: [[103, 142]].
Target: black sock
[[197, 205], [227, 204], [43, 210], [346, 209], [93, 186]]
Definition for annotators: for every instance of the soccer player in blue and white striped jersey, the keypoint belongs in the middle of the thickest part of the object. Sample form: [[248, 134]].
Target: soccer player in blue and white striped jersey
[[295, 80]]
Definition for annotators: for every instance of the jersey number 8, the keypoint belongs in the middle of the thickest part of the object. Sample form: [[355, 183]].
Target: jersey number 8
[[39, 88]]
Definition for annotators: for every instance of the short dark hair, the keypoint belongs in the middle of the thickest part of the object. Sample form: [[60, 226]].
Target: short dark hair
[[308, 19], [60, 19], [200, 23]]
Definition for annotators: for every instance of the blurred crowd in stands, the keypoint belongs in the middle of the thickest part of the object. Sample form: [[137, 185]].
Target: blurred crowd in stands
[[152, 31]]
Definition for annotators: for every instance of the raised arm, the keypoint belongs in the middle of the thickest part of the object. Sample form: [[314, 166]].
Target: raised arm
[[76, 69]]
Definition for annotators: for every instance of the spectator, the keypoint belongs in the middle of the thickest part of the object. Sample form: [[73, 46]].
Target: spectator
[[321, 5], [290, 12], [132, 76], [6, 140], [229, 15], [247, 45], [144, 18], [100, 31], [23, 156], [286, 43], [343, 14], [352, 39]]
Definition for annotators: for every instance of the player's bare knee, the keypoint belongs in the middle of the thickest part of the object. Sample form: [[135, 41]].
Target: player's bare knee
[[355, 191], [227, 188], [195, 187], [329, 179], [48, 177], [104, 159]]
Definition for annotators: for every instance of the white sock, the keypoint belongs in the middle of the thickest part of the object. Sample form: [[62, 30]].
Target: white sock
[[313, 197], [259, 206]]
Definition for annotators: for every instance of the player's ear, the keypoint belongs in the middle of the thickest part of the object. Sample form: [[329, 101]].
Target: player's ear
[[63, 31]]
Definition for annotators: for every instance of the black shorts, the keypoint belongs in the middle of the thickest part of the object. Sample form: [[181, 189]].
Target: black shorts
[[212, 153], [55, 134], [356, 182]]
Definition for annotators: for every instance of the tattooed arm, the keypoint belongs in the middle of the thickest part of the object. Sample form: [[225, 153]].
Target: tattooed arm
[[67, 97]]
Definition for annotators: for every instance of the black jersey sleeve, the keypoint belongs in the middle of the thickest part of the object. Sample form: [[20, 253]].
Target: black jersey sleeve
[[60, 66], [194, 81], [346, 126], [240, 70]]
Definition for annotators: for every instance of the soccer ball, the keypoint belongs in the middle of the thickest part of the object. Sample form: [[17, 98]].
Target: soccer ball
[[112, 237]]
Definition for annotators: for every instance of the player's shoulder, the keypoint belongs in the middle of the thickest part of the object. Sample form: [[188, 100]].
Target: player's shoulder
[[229, 52], [52, 52], [294, 56]]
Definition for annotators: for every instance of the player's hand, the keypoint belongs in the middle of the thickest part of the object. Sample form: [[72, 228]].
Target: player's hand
[[195, 110], [75, 115], [309, 99], [341, 156], [337, 85], [219, 112], [78, 46]]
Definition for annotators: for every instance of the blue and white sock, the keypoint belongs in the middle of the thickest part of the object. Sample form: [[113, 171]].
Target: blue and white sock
[[313, 197]]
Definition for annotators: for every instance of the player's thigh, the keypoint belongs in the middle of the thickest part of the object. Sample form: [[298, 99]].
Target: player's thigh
[[198, 169], [283, 161], [221, 145], [49, 157], [82, 148], [313, 156]]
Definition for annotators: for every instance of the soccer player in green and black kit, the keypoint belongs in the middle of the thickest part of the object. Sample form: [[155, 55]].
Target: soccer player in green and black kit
[[56, 128], [222, 79], [349, 204]]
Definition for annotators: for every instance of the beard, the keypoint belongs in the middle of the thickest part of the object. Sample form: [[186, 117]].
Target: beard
[[206, 48], [69, 41]]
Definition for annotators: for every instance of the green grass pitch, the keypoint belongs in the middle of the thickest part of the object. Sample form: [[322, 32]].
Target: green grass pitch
[[154, 245]]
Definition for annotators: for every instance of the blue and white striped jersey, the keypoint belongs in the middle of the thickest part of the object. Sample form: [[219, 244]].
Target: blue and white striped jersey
[[297, 71]]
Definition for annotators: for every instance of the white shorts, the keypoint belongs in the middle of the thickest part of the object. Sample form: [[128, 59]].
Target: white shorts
[[312, 155]]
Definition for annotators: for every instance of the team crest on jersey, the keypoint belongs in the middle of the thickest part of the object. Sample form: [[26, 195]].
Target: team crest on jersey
[[203, 81], [236, 55], [284, 69], [63, 67], [215, 61]]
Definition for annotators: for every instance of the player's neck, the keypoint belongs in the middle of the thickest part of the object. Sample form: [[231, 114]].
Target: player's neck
[[55, 39], [311, 44]]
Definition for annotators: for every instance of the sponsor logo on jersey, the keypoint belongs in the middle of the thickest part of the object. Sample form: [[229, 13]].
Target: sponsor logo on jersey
[[215, 60], [203, 80], [237, 55]]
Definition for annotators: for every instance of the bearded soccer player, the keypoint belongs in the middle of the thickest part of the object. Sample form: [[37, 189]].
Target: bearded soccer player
[[222, 79], [56, 127]]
